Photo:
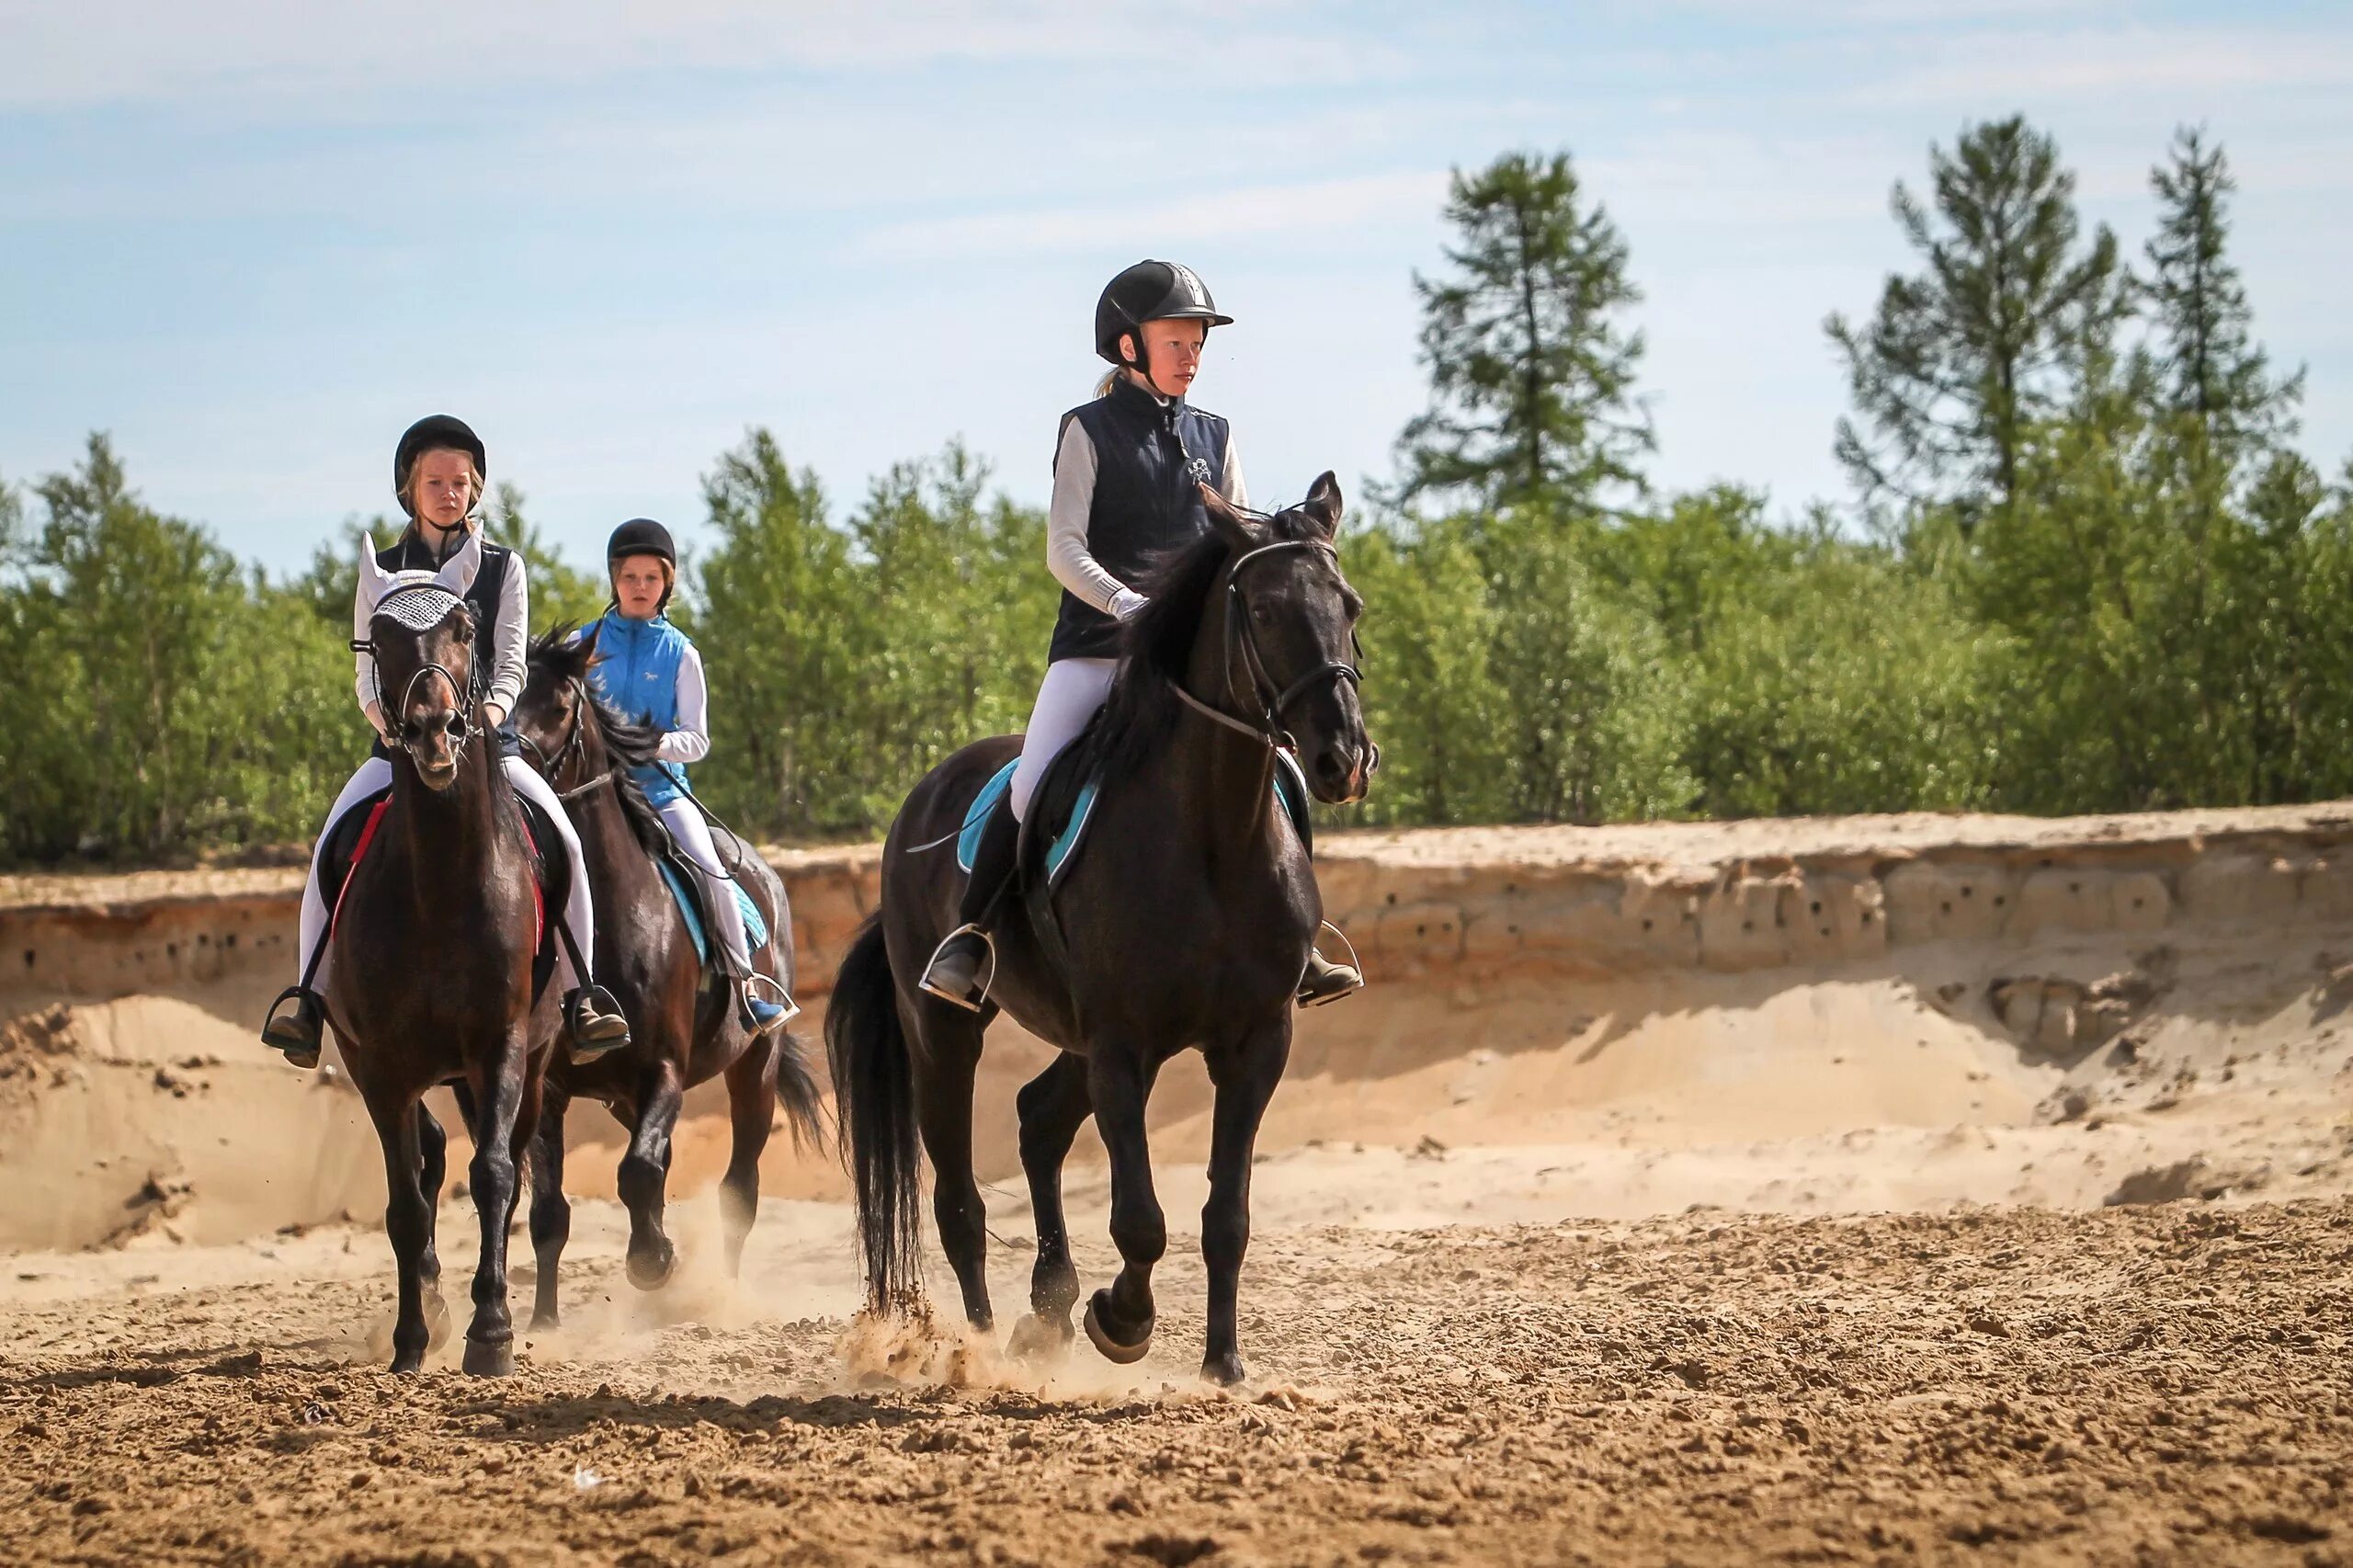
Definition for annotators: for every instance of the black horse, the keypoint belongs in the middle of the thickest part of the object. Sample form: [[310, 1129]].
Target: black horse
[[433, 980], [681, 1032], [1187, 922]]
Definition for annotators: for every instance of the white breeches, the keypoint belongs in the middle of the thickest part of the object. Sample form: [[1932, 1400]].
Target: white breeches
[[375, 773], [686, 822], [1067, 699]]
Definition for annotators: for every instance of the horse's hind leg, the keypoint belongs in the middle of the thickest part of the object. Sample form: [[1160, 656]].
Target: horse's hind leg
[[505, 1101], [1053, 1106], [645, 1174], [1245, 1073], [948, 1047], [751, 1113], [550, 1210], [408, 1224], [1119, 1319]]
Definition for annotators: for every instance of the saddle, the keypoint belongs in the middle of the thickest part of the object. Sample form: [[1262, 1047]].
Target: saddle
[[349, 839], [1064, 808], [688, 888]]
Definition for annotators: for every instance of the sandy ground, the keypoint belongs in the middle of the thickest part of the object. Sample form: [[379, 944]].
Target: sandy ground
[[2007, 1248], [2139, 1385]]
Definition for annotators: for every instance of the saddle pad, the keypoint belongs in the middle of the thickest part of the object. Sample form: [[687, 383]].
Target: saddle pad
[[1290, 790], [756, 927]]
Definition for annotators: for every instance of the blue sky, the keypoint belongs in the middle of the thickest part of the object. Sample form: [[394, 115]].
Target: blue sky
[[254, 240]]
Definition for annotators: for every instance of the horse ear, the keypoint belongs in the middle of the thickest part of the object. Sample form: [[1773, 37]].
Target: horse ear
[[1323, 502], [372, 578], [458, 573], [1241, 532]]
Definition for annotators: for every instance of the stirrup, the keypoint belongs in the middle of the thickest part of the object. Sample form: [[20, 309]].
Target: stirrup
[[790, 1009], [1355, 966], [585, 1050], [977, 995], [302, 998]]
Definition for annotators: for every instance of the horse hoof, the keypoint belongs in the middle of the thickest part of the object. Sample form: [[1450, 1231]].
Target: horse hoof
[[546, 1322], [1041, 1340], [1224, 1370], [490, 1360], [410, 1364], [650, 1270], [436, 1323], [1124, 1355]]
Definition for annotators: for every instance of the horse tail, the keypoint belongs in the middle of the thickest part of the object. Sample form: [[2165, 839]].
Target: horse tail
[[874, 1096], [796, 1087]]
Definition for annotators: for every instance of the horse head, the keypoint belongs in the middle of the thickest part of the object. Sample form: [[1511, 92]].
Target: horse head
[[555, 714], [1290, 651]]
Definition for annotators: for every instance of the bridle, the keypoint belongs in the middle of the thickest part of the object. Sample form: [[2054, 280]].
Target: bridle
[[1270, 700], [400, 615], [574, 748]]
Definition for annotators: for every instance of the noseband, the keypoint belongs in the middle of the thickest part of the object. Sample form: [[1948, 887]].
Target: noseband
[[1242, 639]]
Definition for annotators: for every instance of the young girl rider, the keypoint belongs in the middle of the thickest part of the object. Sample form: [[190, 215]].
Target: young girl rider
[[1124, 491], [438, 471], [650, 672]]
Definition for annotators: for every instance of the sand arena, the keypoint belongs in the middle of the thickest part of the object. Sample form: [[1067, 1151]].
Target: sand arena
[[1910, 1188]]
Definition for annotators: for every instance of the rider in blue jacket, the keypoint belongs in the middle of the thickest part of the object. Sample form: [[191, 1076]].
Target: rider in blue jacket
[[650, 672]]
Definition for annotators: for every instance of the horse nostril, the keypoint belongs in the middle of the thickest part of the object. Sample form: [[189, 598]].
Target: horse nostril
[[456, 725]]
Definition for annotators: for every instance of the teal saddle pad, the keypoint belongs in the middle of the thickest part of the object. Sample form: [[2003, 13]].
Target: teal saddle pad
[[1290, 788], [755, 928]]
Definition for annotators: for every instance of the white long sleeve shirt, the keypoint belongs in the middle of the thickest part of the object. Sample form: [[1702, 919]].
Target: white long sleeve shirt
[[690, 742], [1067, 556]]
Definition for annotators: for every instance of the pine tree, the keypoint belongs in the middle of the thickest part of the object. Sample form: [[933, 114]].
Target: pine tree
[[2213, 370], [1958, 362], [1532, 366]]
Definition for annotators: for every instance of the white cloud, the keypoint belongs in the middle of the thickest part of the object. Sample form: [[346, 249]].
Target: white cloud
[[2037, 67]]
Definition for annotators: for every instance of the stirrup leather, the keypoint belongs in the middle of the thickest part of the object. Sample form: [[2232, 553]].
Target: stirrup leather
[[973, 1000]]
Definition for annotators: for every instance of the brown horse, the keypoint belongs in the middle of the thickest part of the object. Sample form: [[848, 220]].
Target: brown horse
[[681, 1031], [432, 982]]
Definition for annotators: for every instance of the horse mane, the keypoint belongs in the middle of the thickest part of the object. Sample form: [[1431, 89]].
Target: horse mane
[[567, 656], [1156, 647]]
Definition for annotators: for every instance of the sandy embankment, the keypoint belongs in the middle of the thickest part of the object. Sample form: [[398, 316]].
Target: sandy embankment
[[1819, 1016]]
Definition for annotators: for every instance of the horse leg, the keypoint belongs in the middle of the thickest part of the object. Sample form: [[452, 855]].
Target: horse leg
[[1119, 1319], [751, 1112], [550, 1210], [950, 1051], [506, 1096], [408, 1224], [645, 1174], [1053, 1106], [433, 1147], [1245, 1073]]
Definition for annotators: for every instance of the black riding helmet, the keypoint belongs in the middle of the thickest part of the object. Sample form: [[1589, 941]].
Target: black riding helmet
[[644, 536], [1149, 290], [434, 433]]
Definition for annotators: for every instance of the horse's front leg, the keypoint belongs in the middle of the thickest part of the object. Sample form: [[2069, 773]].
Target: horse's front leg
[[506, 1094], [407, 1220], [1245, 1072], [645, 1175], [1118, 1080]]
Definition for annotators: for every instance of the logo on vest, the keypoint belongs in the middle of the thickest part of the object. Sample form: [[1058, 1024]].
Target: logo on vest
[[1199, 469]]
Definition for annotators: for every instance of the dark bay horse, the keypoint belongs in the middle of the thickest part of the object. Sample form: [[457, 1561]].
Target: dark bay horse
[[432, 979], [1187, 922], [680, 1033]]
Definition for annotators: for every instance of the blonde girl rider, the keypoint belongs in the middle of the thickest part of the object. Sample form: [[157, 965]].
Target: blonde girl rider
[[651, 673], [438, 471], [1125, 474]]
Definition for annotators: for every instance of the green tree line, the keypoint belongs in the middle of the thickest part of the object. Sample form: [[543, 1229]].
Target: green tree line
[[2081, 570]]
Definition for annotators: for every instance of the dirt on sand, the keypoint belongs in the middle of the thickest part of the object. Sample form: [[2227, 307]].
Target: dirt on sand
[[1879, 1190]]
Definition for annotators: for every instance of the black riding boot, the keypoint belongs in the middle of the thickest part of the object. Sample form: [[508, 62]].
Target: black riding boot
[[1326, 981], [963, 968]]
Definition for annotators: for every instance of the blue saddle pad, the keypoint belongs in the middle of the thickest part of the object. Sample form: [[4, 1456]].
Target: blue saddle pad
[[755, 928], [1290, 788]]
